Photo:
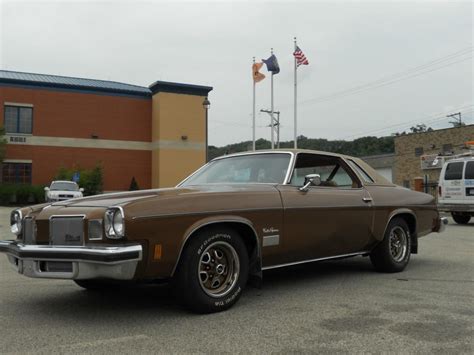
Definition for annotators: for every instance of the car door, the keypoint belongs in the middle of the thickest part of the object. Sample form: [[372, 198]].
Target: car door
[[332, 219]]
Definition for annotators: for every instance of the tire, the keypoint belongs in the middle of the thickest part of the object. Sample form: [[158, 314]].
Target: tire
[[204, 284], [392, 254], [461, 218]]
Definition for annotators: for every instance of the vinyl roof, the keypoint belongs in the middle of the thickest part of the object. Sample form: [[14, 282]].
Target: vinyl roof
[[8, 77]]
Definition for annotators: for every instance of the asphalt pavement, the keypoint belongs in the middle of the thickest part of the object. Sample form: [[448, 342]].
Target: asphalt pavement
[[330, 307]]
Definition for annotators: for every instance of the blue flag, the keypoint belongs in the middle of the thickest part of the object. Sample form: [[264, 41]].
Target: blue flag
[[272, 64]]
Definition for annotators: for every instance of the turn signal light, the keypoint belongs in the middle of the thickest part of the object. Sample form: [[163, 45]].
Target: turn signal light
[[157, 253]]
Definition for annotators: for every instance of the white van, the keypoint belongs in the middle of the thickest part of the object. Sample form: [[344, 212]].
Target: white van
[[456, 189]]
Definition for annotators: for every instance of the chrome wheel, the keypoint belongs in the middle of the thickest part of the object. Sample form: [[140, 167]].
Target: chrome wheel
[[219, 269], [398, 243]]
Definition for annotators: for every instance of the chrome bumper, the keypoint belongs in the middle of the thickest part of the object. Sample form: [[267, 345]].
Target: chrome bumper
[[443, 222], [456, 207], [73, 263]]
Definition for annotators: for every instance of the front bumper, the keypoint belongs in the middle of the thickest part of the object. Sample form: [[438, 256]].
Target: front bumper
[[73, 263]]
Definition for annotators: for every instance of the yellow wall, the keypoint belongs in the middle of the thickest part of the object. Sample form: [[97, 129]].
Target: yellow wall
[[174, 116]]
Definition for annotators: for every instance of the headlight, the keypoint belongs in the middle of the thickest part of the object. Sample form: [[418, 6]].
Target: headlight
[[15, 222], [114, 223]]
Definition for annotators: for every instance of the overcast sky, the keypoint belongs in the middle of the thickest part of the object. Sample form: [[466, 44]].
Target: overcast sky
[[419, 54]]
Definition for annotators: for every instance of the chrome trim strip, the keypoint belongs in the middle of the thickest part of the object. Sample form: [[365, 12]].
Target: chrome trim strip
[[271, 240], [259, 254], [207, 212], [317, 259]]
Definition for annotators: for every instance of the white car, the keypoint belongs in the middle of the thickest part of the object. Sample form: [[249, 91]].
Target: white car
[[62, 190], [456, 189]]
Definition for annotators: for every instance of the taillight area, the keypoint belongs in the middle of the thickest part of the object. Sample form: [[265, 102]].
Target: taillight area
[[439, 191]]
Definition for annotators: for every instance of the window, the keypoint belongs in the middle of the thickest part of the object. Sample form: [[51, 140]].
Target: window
[[252, 168], [331, 170], [16, 173], [406, 183], [469, 174], [419, 151], [454, 171], [18, 119], [361, 172]]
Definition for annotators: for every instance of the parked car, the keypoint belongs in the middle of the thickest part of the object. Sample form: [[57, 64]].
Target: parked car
[[456, 189], [60, 190], [235, 217]]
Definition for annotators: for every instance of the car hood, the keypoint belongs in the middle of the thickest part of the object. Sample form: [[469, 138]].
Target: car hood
[[127, 198]]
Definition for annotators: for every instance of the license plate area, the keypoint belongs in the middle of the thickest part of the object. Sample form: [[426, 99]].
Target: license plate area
[[66, 230], [56, 266]]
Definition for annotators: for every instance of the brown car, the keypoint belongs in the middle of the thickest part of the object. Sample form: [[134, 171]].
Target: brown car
[[235, 217]]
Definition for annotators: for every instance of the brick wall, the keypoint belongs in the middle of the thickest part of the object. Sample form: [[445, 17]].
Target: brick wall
[[407, 162]]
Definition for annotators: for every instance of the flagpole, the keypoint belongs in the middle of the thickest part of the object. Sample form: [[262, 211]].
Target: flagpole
[[295, 103], [253, 112], [271, 108]]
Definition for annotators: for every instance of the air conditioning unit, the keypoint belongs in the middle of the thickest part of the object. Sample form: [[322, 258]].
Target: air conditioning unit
[[432, 161]]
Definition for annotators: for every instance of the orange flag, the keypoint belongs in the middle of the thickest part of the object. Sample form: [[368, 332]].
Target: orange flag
[[257, 76]]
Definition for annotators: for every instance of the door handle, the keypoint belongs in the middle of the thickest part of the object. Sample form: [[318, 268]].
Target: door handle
[[367, 199]]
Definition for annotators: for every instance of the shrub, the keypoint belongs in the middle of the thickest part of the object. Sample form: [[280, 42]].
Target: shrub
[[20, 194], [133, 185], [91, 180]]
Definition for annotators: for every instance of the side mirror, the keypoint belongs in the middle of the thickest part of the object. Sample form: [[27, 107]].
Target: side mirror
[[46, 188], [310, 180], [81, 189]]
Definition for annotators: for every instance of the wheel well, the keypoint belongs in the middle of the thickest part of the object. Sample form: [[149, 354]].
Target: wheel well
[[246, 232], [411, 221]]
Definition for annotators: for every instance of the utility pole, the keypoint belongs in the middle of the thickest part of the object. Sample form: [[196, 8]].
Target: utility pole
[[457, 119], [274, 125]]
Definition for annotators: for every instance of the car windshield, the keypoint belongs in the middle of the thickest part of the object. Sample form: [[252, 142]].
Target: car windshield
[[252, 168], [64, 186]]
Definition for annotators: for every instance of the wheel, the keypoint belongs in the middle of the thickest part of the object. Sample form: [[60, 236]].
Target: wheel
[[393, 252], [461, 218], [97, 285], [213, 271]]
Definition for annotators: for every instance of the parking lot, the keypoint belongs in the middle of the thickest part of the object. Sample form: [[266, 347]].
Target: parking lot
[[338, 306]]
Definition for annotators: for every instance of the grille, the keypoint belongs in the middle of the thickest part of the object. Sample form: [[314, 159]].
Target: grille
[[66, 196], [29, 230], [66, 230]]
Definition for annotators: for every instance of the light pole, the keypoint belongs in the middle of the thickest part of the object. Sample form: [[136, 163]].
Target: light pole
[[206, 104]]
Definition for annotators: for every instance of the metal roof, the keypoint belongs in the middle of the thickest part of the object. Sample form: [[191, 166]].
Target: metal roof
[[65, 82]]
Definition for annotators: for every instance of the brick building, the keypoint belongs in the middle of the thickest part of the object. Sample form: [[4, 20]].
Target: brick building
[[415, 154], [157, 134]]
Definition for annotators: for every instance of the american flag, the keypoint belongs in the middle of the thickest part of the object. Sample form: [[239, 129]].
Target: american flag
[[300, 57]]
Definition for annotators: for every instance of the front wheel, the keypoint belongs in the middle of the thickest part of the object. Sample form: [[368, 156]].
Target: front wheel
[[213, 271], [461, 218], [393, 252]]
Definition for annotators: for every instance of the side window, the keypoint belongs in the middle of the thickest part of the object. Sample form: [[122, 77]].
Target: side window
[[454, 171], [360, 171], [469, 174], [331, 170]]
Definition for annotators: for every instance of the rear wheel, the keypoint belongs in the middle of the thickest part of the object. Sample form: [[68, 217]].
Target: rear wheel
[[393, 252], [461, 218], [213, 271]]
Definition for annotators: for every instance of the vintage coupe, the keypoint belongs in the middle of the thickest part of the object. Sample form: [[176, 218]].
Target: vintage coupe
[[236, 216]]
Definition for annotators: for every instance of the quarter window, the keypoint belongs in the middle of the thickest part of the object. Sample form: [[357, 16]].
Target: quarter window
[[18, 119], [16, 173], [454, 171], [469, 174], [361, 172]]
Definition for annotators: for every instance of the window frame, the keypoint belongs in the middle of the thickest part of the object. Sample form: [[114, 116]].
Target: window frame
[[18, 108], [338, 161]]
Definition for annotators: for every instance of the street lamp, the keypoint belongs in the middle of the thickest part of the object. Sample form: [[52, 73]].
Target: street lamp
[[206, 104]]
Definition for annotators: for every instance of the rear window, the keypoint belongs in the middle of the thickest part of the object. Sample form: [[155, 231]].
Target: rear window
[[469, 174], [454, 171]]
